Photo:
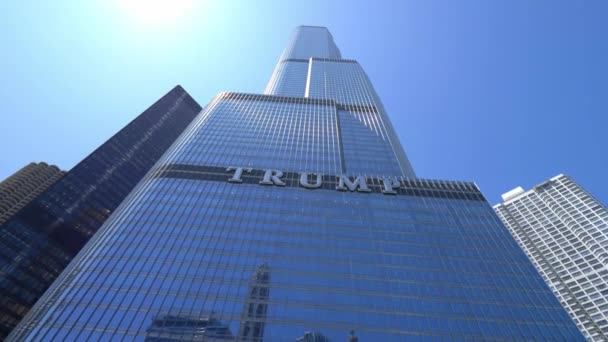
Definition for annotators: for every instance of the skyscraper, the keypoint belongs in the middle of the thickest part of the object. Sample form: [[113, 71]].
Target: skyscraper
[[308, 189], [564, 232], [38, 242], [22, 187], [312, 67]]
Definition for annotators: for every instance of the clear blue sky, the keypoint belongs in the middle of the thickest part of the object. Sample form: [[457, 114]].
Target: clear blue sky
[[503, 93]]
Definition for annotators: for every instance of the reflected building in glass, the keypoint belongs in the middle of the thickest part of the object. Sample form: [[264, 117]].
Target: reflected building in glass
[[253, 316], [296, 214], [313, 337], [176, 327]]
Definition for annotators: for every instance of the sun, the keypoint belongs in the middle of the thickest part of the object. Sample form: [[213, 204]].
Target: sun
[[156, 13]]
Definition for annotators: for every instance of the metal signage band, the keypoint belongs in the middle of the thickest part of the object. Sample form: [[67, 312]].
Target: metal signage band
[[311, 180]]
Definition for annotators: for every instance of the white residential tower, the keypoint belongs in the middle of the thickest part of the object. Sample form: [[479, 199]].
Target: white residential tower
[[564, 232]]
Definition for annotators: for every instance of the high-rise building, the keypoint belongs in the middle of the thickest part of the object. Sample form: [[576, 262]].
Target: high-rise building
[[564, 232], [24, 185], [38, 242], [311, 67], [307, 189]]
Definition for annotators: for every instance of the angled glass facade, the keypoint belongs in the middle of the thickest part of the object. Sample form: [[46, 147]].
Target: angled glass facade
[[284, 218], [39, 241]]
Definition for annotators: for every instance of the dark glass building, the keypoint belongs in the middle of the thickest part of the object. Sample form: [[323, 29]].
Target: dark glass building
[[38, 242], [296, 216]]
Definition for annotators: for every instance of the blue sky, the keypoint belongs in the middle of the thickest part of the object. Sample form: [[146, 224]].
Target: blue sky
[[503, 93]]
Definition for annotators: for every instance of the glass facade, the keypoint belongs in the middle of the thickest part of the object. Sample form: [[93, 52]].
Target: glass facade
[[564, 232], [39, 241], [289, 78], [291, 134], [290, 75], [282, 218], [311, 41], [312, 67]]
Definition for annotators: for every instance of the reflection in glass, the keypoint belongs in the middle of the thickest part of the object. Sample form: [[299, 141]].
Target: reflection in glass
[[253, 317], [313, 337], [177, 327]]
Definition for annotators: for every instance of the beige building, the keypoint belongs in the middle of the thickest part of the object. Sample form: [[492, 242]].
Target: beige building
[[24, 185]]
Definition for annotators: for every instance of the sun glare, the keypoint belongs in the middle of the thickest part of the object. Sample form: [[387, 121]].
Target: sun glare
[[156, 12]]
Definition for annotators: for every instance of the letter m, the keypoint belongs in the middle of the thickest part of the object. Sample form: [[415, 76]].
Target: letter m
[[359, 184]]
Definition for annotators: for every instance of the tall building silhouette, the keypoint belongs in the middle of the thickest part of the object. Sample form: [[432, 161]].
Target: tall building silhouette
[[564, 232], [39, 240], [311, 179], [24, 185]]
